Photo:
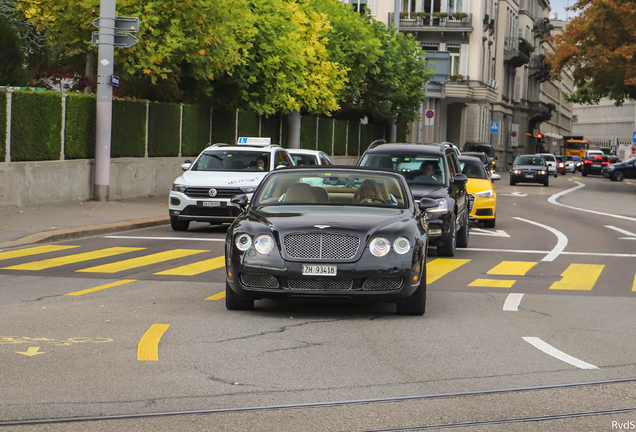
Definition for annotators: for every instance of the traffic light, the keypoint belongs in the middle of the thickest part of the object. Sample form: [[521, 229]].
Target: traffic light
[[539, 136]]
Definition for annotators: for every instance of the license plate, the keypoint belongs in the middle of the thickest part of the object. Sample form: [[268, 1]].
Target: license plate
[[210, 203], [596, 165], [529, 175], [319, 270]]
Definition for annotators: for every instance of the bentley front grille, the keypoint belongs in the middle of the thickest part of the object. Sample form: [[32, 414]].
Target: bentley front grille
[[383, 283], [259, 280], [321, 284], [323, 246]]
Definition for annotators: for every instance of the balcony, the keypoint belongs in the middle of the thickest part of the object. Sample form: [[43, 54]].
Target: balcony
[[467, 90], [541, 28], [435, 24], [516, 53], [538, 68]]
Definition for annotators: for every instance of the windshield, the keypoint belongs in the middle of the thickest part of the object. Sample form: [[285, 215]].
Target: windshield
[[418, 169], [529, 160], [473, 169], [481, 156], [336, 188], [229, 160], [486, 148], [549, 157], [303, 159]]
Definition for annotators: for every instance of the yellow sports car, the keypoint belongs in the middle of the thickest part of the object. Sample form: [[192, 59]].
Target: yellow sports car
[[481, 190]]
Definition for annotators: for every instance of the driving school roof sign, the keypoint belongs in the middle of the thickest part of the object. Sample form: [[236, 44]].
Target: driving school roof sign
[[254, 141]]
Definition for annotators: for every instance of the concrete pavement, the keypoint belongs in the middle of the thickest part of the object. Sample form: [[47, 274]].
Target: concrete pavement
[[21, 226]]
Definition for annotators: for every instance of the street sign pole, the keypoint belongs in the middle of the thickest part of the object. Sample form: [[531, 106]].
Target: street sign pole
[[105, 60]]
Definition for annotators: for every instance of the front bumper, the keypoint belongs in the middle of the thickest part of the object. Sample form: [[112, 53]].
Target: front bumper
[[439, 227], [484, 208], [201, 209], [529, 178]]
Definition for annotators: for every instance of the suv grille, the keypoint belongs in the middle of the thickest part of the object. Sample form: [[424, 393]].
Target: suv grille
[[321, 284], [259, 280], [324, 246], [385, 283], [204, 192]]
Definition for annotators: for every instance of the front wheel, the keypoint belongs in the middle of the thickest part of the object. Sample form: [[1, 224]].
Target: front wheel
[[447, 248], [179, 225], [490, 223], [235, 302], [463, 234], [556, 174], [416, 303], [512, 183], [618, 176]]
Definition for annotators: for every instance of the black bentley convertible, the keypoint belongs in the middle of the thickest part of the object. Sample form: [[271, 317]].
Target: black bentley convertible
[[344, 233]]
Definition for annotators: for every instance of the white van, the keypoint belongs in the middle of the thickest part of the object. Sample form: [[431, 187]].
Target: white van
[[552, 163]]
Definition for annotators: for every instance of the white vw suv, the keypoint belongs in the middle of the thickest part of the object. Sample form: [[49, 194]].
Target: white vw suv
[[203, 192]]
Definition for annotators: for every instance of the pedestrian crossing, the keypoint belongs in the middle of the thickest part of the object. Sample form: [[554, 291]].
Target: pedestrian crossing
[[189, 263]]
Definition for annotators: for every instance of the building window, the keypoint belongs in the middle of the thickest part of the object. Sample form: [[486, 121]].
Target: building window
[[359, 6], [455, 6], [455, 59]]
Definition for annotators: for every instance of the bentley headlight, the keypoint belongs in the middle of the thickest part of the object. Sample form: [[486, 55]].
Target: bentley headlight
[[243, 242], [442, 206], [379, 246], [264, 244], [517, 172], [178, 187], [401, 245], [484, 194], [248, 189]]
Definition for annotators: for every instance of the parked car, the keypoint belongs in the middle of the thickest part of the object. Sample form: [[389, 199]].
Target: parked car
[[360, 236], [551, 162], [621, 170], [432, 171], [203, 192], [481, 189], [529, 169], [309, 157], [560, 164]]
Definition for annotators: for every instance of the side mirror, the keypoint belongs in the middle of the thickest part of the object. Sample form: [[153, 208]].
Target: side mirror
[[460, 179], [239, 201], [510, 163], [186, 165], [496, 177], [427, 203], [282, 164]]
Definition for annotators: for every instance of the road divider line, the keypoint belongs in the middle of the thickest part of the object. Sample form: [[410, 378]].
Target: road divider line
[[492, 283], [562, 240], [550, 350], [512, 302], [196, 268], [581, 277], [32, 251], [101, 287], [148, 348], [553, 200], [72, 259], [442, 266], [512, 268], [622, 231], [190, 239], [142, 261], [218, 296]]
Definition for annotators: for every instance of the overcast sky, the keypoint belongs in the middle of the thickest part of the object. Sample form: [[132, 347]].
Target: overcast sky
[[558, 7]]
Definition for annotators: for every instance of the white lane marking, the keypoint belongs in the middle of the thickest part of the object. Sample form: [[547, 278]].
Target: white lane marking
[[512, 302], [515, 194], [553, 200], [167, 238], [493, 233], [622, 231], [627, 238], [550, 350], [545, 252], [562, 240]]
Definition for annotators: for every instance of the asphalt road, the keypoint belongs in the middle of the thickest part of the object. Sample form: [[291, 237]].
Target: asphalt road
[[135, 323]]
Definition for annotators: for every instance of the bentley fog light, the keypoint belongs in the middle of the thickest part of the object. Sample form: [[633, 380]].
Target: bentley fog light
[[402, 245], [263, 244], [379, 246], [243, 242]]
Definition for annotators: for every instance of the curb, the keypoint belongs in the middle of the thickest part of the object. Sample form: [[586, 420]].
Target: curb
[[75, 233]]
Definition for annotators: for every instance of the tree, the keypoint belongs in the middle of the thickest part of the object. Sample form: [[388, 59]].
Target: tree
[[598, 45], [13, 70]]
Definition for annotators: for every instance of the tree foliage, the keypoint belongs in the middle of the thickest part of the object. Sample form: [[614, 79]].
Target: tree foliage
[[12, 56], [599, 46]]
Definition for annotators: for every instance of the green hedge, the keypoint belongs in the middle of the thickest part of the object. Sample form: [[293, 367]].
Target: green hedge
[[128, 137], [340, 138], [79, 130], [196, 130], [325, 133], [248, 124], [3, 125], [308, 132], [354, 139], [270, 127], [36, 126], [163, 129], [223, 126]]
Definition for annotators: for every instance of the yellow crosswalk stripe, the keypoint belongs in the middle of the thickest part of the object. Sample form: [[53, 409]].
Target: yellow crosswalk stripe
[[218, 296], [32, 251], [442, 266], [72, 259], [512, 268], [579, 277], [101, 287], [492, 283], [142, 261], [196, 268], [634, 286]]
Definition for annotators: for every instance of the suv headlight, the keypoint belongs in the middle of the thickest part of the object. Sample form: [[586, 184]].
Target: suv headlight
[[484, 194], [442, 206], [264, 244], [402, 245], [379, 246], [248, 189], [542, 172], [243, 242], [178, 187]]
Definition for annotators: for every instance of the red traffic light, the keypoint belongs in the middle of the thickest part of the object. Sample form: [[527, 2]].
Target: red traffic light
[[539, 136]]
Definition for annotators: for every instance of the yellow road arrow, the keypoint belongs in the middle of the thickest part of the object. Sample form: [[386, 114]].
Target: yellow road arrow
[[31, 351]]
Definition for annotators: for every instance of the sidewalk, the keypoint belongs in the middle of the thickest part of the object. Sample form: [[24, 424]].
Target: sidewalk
[[62, 221]]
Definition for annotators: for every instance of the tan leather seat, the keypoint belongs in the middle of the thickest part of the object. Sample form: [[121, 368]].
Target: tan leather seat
[[321, 195], [301, 193]]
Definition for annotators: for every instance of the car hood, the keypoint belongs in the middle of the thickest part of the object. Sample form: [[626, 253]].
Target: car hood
[[428, 191], [221, 178], [478, 185], [530, 167]]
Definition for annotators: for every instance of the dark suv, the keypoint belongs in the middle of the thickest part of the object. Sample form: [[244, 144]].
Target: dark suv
[[432, 171], [485, 148]]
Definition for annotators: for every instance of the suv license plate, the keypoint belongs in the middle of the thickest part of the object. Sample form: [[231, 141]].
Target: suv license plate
[[211, 203], [529, 175], [320, 270]]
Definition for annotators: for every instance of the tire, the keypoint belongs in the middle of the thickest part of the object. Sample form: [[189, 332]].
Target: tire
[[556, 174], [235, 302], [463, 234], [450, 244], [490, 223], [563, 173], [416, 303], [546, 183], [618, 176], [178, 225], [512, 183], [584, 173]]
